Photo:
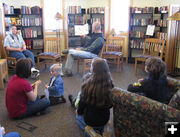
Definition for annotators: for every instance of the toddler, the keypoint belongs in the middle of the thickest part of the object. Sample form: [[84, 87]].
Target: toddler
[[56, 86]]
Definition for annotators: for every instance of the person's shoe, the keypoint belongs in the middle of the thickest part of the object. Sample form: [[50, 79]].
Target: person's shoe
[[42, 96], [34, 73], [66, 51], [70, 97], [62, 99], [67, 74]]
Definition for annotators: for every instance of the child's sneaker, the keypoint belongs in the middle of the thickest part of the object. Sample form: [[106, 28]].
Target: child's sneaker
[[62, 99], [70, 97]]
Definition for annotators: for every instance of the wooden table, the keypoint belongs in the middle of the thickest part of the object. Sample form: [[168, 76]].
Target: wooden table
[[3, 72]]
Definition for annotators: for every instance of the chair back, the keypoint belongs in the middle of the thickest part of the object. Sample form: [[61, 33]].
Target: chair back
[[5, 54], [52, 45], [115, 44], [153, 47]]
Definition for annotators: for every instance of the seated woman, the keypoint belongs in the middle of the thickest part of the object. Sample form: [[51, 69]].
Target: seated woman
[[155, 86], [95, 103], [21, 98]]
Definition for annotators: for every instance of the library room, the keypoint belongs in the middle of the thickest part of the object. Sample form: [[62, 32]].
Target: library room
[[57, 56]]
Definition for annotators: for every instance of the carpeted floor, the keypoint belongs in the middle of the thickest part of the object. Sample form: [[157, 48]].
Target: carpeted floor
[[60, 122]]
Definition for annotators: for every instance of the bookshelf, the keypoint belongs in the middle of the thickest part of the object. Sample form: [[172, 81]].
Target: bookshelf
[[75, 17], [140, 18], [97, 14], [29, 24], [159, 19]]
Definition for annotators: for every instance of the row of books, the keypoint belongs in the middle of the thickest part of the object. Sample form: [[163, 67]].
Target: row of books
[[74, 9], [30, 10], [31, 33], [31, 21], [75, 19], [95, 10], [137, 34], [163, 9], [8, 9], [71, 31], [15, 21], [141, 10], [160, 23], [28, 43], [38, 44], [100, 20], [136, 44], [161, 35], [34, 44], [140, 22]]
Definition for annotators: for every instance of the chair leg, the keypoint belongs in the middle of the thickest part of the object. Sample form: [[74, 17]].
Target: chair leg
[[77, 65], [38, 62], [135, 67], [121, 62], [84, 67], [118, 61]]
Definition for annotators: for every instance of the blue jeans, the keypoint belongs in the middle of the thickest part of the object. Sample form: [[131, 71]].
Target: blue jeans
[[37, 106], [76, 54], [12, 134], [80, 121], [25, 54]]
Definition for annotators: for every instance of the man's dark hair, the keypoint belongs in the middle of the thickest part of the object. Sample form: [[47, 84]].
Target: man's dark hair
[[155, 67], [23, 68]]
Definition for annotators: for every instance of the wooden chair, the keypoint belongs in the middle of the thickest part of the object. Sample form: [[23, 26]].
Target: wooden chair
[[152, 47], [114, 50], [11, 61], [86, 63], [52, 51]]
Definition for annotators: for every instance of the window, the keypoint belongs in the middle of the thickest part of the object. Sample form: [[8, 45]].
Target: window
[[120, 15], [51, 7]]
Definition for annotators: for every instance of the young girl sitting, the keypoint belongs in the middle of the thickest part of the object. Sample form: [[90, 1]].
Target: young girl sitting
[[155, 86], [95, 103], [56, 86]]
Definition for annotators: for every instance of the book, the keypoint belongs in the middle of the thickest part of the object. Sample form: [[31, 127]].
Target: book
[[81, 29]]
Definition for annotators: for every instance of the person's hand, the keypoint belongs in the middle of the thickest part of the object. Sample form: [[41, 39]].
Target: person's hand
[[24, 47], [46, 86], [76, 112], [83, 36], [3, 131], [36, 83], [19, 49], [78, 48], [140, 80]]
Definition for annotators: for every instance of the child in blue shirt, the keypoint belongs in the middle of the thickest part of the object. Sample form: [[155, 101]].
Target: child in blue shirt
[[56, 86]]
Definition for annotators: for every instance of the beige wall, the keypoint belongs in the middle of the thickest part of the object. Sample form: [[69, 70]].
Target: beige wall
[[154, 3], [86, 3], [19, 3]]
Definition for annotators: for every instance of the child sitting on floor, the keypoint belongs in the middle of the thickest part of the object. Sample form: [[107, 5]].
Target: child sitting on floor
[[155, 86], [56, 86]]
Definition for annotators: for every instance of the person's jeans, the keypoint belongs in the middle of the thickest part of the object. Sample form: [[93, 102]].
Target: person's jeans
[[25, 54], [12, 134], [37, 106], [76, 54], [80, 121]]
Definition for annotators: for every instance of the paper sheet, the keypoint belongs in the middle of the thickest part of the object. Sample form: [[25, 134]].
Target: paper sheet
[[150, 30], [46, 93], [81, 30]]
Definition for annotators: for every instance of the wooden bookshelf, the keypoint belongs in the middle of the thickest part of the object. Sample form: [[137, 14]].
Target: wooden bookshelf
[[28, 21]]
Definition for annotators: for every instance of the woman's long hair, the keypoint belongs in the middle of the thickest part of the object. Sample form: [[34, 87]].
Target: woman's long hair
[[96, 89]]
